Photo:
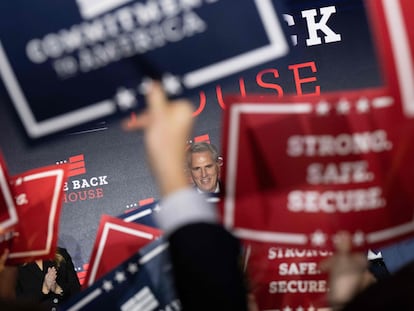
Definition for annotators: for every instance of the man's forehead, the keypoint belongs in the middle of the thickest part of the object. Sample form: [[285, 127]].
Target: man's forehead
[[202, 156]]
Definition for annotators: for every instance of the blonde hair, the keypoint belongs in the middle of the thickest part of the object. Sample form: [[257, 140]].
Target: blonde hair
[[59, 259]]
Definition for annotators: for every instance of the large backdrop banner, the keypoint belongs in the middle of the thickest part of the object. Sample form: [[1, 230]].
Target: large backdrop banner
[[93, 58], [68, 68]]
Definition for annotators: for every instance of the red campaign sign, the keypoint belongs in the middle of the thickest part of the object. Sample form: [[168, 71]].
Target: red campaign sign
[[8, 213], [299, 169], [283, 278], [393, 25], [38, 197], [116, 241]]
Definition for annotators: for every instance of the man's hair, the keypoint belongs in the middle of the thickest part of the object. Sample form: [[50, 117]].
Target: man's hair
[[202, 147]]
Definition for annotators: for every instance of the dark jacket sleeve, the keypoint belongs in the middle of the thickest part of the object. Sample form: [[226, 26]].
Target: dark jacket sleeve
[[29, 283], [207, 268], [392, 293]]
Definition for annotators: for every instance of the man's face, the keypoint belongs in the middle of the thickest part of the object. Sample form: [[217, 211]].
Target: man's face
[[204, 171]]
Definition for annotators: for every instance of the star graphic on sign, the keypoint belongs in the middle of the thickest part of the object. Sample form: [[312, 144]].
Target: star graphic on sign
[[132, 268], [300, 308], [362, 105], [311, 308], [143, 87], [382, 102], [359, 238], [21, 199], [125, 98], [107, 286], [343, 106], [120, 276], [171, 84], [318, 238], [157, 208], [322, 108], [287, 308]]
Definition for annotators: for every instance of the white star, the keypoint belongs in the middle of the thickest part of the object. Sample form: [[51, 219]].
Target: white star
[[287, 308], [107, 286], [318, 238], [362, 104], [21, 199], [382, 102], [125, 98], [311, 308], [132, 268], [371, 255], [120, 276], [300, 308], [322, 108], [157, 208], [358, 239], [144, 86], [343, 106], [172, 84]]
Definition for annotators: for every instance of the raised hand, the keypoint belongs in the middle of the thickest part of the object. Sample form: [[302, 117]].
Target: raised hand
[[348, 273], [3, 259], [167, 125]]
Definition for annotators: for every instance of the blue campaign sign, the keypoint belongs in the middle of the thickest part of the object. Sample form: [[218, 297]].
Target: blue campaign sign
[[143, 215], [70, 62], [143, 282]]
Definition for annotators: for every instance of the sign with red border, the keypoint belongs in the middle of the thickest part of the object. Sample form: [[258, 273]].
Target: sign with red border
[[38, 197], [299, 169], [393, 25], [116, 241], [8, 213]]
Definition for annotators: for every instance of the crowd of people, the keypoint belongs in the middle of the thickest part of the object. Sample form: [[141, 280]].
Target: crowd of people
[[202, 251]]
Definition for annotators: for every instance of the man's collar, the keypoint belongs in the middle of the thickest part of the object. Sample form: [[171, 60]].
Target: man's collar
[[217, 190]]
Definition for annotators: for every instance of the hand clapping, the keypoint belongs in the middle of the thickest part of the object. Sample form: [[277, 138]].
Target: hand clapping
[[49, 282]]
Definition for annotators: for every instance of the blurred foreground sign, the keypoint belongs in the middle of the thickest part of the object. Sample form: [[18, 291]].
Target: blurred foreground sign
[[116, 241], [300, 169], [8, 213], [142, 282], [72, 62], [38, 198]]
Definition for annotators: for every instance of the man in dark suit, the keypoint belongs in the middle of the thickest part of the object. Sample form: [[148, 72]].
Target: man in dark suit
[[205, 256]]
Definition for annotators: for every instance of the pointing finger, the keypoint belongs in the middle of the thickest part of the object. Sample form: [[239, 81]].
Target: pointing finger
[[156, 97]]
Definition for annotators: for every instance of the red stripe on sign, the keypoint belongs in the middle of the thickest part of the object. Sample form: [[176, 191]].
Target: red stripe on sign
[[76, 158], [130, 210], [201, 138], [78, 171], [76, 165], [146, 201], [81, 274]]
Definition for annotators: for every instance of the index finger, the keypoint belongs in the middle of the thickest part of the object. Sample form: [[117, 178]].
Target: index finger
[[343, 242], [156, 97]]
